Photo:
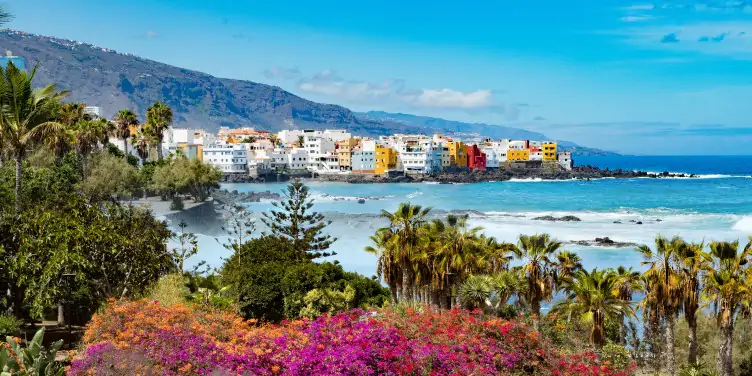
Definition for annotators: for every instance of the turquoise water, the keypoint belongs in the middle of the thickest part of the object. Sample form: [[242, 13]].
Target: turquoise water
[[716, 206]]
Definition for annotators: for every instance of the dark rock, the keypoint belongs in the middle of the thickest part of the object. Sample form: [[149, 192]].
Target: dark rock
[[617, 222], [566, 218], [638, 222], [361, 201]]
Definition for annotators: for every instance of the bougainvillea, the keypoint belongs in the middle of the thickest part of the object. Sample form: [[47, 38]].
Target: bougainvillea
[[146, 338]]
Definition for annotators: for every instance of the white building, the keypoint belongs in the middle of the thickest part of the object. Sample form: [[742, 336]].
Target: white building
[[565, 160], [421, 158], [492, 157], [518, 145], [179, 135], [92, 111], [291, 136], [228, 158]]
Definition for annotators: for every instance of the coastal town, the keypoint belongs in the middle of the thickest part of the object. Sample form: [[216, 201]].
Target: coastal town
[[252, 152]]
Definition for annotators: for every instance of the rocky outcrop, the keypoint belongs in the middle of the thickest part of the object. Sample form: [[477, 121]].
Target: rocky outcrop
[[550, 218], [603, 242], [466, 176]]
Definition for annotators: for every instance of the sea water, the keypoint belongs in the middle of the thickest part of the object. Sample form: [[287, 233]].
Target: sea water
[[715, 206]]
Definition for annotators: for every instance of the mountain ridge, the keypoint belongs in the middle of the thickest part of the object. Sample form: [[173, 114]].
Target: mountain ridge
[[113, 80]]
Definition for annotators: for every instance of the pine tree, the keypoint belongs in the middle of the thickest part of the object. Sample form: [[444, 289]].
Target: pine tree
[[295, 221]]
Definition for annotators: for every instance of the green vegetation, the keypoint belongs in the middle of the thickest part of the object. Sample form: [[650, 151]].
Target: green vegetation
[[34, 360], [9, 325], [295, 222]]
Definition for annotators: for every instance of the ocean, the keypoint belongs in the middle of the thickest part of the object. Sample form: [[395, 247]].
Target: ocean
[[715, 206]]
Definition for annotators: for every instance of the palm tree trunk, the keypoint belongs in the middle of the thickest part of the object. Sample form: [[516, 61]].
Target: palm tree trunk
[[19, 164], [435, 297], [393, 291], [692, 324], [670, 354], [725, 355], [406, 285], [535, 306]]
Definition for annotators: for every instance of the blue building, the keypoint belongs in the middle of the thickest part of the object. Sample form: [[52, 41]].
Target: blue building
[[19, 62]]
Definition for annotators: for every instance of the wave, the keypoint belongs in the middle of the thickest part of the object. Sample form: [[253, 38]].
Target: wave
[[414, 194], [327, 198], [744, 225]]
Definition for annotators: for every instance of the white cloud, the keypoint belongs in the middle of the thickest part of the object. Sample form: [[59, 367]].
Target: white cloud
[[729, 38], [151, 34], [394, 92], [276, 73]]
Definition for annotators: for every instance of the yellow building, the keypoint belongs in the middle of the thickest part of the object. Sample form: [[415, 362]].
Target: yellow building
[[549, 151], [457, 154], [344, 153], [386, 159], [518, 155]]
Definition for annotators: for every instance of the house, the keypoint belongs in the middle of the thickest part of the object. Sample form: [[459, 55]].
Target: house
[[457, 154], [344, 149], [565, 160], [423, 157], [228, 158], [476, 159], [385, 161], [549, 151]]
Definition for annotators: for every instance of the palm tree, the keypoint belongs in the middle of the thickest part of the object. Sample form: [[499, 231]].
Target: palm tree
[[124, 120], [727, 284], [387, 268], [628, 281], [536, 252], [459, 253], [88, 135], [140, 142], [665, 287], [567, 264], [301, 141], [594, 295], [27, 116], [71, 113], [406, 225], [693, 263], [493, 291], [274, 140], [158, 119]]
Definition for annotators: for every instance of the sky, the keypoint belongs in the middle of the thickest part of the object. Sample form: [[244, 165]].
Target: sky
[[660, 78]]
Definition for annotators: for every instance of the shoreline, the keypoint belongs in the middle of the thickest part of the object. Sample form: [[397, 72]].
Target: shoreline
[[464, 176]]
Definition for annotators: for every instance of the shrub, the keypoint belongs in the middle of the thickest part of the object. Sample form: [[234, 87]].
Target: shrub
[[616, 355], [169, 290], [177, 203], [182, 340], [9, 325]]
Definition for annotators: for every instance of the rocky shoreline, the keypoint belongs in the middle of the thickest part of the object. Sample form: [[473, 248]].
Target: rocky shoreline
[[475, 176]]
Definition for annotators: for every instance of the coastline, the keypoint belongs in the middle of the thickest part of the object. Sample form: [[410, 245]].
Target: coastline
[[463, 176]]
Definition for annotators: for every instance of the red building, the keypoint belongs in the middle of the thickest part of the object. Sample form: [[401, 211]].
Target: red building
[[476, 159]]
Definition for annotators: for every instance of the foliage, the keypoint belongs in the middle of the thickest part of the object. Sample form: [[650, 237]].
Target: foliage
[[188, 176], [177, 203], [745, 367], [110, 177], [318, 301], [185, 341], [34, 360], [296, 222], [9, 325], [187, 248], [28, 116], [169, 290], [114, 250], [270, 280], [114, 150], [616, 356]]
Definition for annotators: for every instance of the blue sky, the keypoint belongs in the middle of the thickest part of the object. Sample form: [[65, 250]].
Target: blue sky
[[666, 77]]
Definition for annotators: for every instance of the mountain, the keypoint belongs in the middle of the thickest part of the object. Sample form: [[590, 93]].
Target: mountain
[[111, 80]]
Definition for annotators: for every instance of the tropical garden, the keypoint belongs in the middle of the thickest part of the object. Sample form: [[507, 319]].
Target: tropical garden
[[447, 300]]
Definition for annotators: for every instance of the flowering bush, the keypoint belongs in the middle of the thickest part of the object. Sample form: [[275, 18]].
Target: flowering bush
[[147, 338]]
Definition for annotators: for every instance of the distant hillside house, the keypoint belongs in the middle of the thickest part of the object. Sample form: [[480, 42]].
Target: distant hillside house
[[19, 62]]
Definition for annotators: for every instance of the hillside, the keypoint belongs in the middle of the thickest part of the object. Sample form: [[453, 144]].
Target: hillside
[[113, 81]]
